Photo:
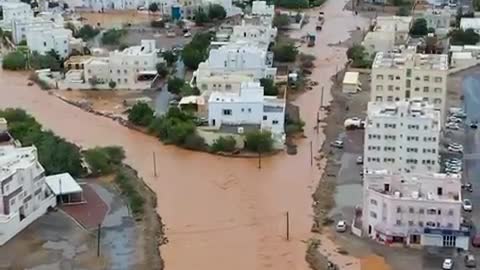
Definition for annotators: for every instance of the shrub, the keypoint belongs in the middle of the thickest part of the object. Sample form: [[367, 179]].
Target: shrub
[[124, 181], [200, 17], [194, 142], [173, 127], [87, 32], [14, 61], [175, 85], [285, 52], [281, 20], [269, 87], [224, 144], [419, 28], [292, 4], [112, 84], [216, 12], [103, 160], [153, 7], [170, 57], [461, 37], [113, 36], [141, 114], [259, 141], [359, 57], [162, 70]]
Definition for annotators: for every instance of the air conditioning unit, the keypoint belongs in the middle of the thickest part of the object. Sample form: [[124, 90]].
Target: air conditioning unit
[[240, 130]]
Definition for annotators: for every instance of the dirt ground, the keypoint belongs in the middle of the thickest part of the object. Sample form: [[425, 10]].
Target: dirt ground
[[116, 19], [102, 100]]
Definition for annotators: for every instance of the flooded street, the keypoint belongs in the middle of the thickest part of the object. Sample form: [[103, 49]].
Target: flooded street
[[220, 213]]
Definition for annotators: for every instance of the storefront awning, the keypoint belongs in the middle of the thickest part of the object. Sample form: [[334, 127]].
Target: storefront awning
[[63, 184]]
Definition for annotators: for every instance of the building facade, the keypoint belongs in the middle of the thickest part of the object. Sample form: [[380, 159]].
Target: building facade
[[14, 11], [24, 195], [402, 137], [387, 33], [132, 68], [248, 106], [407, 75], [413, 209]]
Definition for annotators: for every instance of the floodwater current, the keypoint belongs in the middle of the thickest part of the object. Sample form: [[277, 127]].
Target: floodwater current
[[220, 213]]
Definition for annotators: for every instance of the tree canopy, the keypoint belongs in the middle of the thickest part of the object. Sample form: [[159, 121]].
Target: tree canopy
[[269, 87], [175, 85], [292, 4], [162, 70], [286, 52], [196, 51], [87, 32], [141, 114], [216, 12], [281, 20], [153, 7], [14, 61], [461, 37], [102, 160], [170, 57], [259, 141], [173, 127], [113, 36], [359, 57], [200, 17], [419, 28]]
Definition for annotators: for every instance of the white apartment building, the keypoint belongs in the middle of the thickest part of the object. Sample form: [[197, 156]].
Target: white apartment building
[[255, 33], [248, 106], [12, 11], [45, 40], [102, 5], [407, 75], [438, 19], [402, 137], [240, 58], [261, 8], [470, 23], [413, 209], [43, 21], [132, 68], [388, 32], [211, 82], [24, 195]]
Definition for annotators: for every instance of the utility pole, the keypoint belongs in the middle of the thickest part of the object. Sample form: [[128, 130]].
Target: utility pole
[[321, 98], [60, 190], [311, 154], [99, 231], [288, 227], [259, 160], [154, 164]]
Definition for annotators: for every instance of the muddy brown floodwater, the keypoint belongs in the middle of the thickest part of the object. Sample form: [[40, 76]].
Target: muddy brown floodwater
[[220, 213]]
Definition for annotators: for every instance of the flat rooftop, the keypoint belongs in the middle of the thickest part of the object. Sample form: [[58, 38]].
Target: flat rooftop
[[411, 60], [413, 108]]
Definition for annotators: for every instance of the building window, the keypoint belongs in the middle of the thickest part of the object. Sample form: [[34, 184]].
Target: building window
[[390, 77], [390, 98], [390, 88], [44, 44], [373, 214], [450, 212], [426, 78], [12, 201], [397, 78], [417, 78], [437, 90], [379, 87], [249, 110], [417, 89], [265, 117], [373, 202], [125, 80], [399, 222], [228, 86], [379, 77], [421, 211], [125, 71], [243, 109], [410, 223], [378, 98], [425, 89], [430, 224], [420, 223], [399, 209], [411, 210], [409, 72], [275, 122], [408, 83], [438, 79], [227, 112], [437, 101], [431, 211]]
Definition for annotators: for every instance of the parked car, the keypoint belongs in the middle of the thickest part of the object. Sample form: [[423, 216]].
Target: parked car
[[467, 186], [476, 240], [474, 124], [452, 126], [354, 122], [467, 205], [171, 34], [470, 261], [447, 264], [187, 34], [453, 119], [359, 160], [341, 226], [455, 147], [337, 143]]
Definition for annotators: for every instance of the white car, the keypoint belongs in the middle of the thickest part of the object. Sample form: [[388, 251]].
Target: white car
[[467, 205], [359, 160], [455, 149], [454, 120], [447, 264], [187, 34], [341, 226], [452, 126]]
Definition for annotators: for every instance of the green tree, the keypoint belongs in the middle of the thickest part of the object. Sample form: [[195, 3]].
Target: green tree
[[153, 7], [103, 160], [173, 127], [170, 57], [113, 36], [175, 85], [461, 37], [259, 141], [216, 12], [116, 154], [112, 84], [403, 11], [398, 2], [269, 87], [162, 70], [419, 28], [50, 60], [224, 144], [187, 90], [14, 61], [281, 20], [286, 52], [196, 51], [200, 17], [359, 56], [194, 142], [141, 114], [87, 32], [23, 42]]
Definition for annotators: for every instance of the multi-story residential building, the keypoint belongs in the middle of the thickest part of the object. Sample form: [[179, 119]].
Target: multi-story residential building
[[241, 58], [413, 209], [24, 195], [102, 5], [260, 34], [261, 8], [43, 21], [470, 23], [402, 136], [407, 75], [132, 68], [45, 40], [388, 32], [248, 106], [438, 19], [12, 11]]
